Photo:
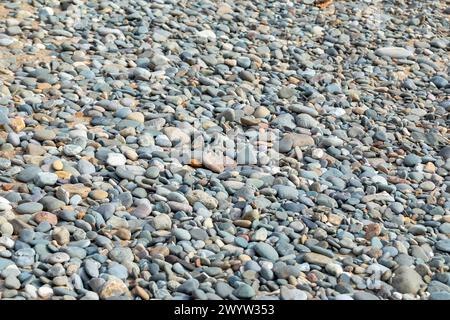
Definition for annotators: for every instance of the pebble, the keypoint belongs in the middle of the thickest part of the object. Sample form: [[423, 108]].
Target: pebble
[[407, 280], [182, 234], [62, 236], [113, 288], [244, 291], [266, 251], [162, 222], [29, 208], [292, 294], [46, 179], [412, 160], [98, 194], [116, 159], [443, 245], [318, 259], [393, 52]]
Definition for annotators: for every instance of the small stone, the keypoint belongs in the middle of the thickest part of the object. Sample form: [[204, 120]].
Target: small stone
[[44, 135], [58, 257], [265, 250], [136, 116], [261, 112], [224, 9], [29, 208], [121, 255], [46, 179], [44, 216], [209, 34], [393, 52], [411, 160], [188, 286], [417, 230], [318, 259], [427, 186], [140, 292], [202, 197], [162, 222], [113, 288], [372, 230], [61, 236], [286, 92], [247, 75], [213, 163], [181, 234], [85, 167], [407, 280], [17, 124], [6, 229], [445, 228], [362, 295], [443, 245], [244, 291], [98, 194], [78, 189], [12, 282], [292, 294], [71, 150], [45, 292], [445, 152], [142, 210], [116, 159], [57, 165]]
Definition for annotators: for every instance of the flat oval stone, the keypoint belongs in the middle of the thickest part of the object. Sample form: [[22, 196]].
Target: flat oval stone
[[393, 52]]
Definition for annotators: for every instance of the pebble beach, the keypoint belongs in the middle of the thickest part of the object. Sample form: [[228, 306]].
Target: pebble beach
[[224, 150]]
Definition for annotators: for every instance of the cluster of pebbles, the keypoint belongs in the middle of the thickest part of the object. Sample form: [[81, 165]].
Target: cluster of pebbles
[[95, 95]]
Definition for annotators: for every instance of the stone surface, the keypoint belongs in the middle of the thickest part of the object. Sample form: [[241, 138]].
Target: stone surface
[[200, 150]]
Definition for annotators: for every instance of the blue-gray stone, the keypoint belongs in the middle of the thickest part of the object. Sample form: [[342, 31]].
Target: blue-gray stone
[[411, 160], [265, 250], [443, 245], [244, 291]]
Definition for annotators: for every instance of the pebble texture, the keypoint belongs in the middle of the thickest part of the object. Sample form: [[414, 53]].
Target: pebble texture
[[97, 96]]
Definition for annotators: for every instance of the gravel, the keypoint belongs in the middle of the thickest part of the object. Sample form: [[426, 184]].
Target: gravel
[[288, 150]]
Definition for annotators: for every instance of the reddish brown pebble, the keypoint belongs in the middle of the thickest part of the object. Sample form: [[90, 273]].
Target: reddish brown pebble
[[372, 230], [46, 216]]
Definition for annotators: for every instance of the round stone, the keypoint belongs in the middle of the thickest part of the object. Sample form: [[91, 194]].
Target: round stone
[[407, 280], [58, 165]]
